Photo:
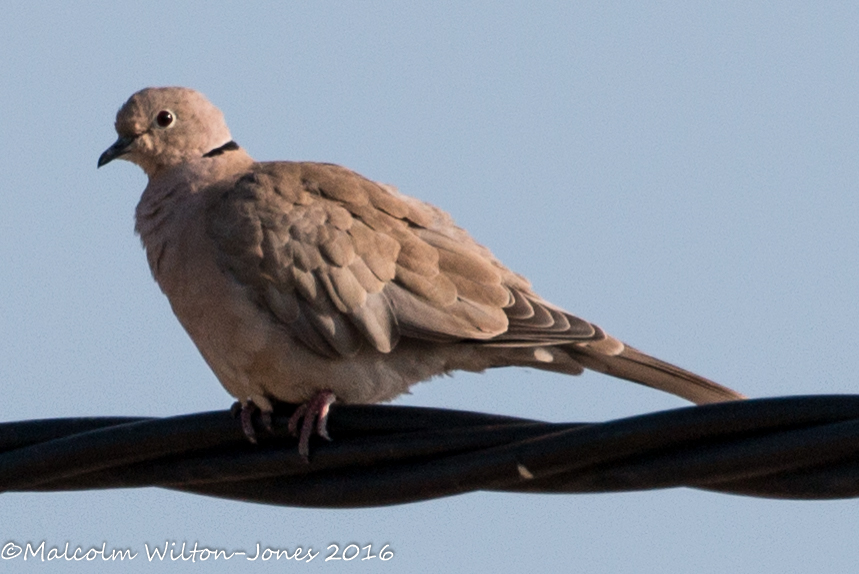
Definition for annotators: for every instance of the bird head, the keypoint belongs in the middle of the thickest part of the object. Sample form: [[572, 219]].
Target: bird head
[[160, 128]]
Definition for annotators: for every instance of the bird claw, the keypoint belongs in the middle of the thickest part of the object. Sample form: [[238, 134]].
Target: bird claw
[[314, 410], [245, 411]]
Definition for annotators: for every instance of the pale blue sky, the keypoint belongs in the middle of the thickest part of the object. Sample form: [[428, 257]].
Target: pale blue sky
[[685, 177]]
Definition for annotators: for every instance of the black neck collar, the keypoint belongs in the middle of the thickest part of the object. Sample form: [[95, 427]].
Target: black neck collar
[[229, 146]]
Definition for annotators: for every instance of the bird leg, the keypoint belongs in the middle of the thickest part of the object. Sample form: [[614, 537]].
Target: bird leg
[[314, 409], [245, 411]]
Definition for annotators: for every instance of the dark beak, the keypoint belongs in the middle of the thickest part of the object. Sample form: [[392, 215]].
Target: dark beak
[[118, 149]]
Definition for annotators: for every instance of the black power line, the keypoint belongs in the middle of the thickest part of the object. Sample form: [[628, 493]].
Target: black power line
[[790, 447]]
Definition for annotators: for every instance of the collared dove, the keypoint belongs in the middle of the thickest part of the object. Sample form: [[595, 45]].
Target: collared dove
[[303, 281]]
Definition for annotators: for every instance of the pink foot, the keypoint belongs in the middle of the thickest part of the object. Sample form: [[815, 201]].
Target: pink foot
[[246, 412], [314, 409]]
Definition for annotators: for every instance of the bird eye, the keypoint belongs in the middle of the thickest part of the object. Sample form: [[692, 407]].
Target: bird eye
[[164, 118]]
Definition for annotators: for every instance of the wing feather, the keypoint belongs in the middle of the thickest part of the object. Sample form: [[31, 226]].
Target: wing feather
[[342, 262]]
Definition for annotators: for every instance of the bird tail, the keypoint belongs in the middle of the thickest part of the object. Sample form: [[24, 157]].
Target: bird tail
[[633, 365]]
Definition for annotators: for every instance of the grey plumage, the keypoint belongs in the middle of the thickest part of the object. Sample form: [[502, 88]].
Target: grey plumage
[[297, 277]]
